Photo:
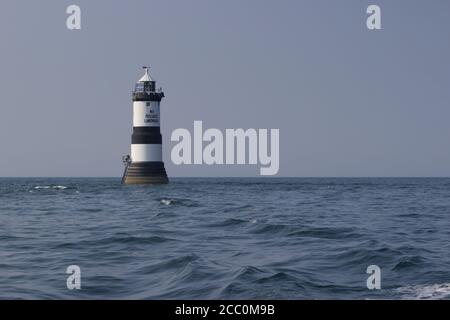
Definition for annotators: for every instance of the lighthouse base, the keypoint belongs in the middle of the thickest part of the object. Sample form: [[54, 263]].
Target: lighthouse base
[[145, 173]]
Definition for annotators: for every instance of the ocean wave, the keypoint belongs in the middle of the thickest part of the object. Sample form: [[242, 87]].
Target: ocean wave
[[326, 233], [174, 263], [408, 262], [116, 239], [178, 202], [51, 187], [425, 292], [362, 255], [266, 284], [249, 272], [272, 229], [238, 209], [279, 277], [293, 231], [166, 202], [228, 223]]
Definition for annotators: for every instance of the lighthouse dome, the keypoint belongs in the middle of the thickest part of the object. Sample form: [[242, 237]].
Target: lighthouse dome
[[146, 77]]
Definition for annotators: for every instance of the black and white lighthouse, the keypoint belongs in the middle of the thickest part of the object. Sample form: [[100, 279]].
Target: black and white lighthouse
[[145, 165]]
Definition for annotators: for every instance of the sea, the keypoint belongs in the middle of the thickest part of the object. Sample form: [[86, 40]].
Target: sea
[[225, 238]]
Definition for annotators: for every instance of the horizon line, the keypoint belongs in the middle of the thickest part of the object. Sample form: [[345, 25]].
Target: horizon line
[[234, 177]]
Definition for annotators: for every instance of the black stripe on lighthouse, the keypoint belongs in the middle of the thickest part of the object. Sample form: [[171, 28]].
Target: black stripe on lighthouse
[[146, 135]]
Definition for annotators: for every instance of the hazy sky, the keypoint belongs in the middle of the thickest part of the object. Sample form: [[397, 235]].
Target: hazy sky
[[348, 101]]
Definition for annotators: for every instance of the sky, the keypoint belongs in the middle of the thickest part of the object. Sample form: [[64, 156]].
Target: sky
[[349, 102]]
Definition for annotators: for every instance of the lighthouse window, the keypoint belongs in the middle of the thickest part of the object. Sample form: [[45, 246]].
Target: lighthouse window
[[148, 104], [139, 87]]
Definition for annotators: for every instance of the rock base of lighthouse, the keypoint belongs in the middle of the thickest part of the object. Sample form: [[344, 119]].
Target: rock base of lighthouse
[[145, 173]]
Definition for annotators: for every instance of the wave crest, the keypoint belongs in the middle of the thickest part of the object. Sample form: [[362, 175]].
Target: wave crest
[[425, 292]]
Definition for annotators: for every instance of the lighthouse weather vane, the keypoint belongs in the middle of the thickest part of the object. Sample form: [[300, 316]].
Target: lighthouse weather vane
[[145, 165]]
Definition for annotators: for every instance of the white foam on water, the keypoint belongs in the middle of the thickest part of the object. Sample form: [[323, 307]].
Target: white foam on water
[[60, 187], [166, 202], [425, 292], [51, 187]]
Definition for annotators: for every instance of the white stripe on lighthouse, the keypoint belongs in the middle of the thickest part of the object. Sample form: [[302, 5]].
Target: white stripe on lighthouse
[[146, 152], [146, 114]]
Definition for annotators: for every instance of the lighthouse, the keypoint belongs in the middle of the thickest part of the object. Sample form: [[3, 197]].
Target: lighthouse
[[145, 164]]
